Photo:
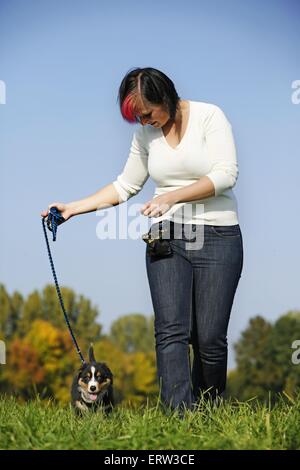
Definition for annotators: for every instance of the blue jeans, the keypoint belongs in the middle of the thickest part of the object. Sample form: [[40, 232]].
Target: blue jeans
[[192, 292]]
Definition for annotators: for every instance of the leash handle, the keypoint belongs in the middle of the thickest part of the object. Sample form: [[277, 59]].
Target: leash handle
[[56, 219]]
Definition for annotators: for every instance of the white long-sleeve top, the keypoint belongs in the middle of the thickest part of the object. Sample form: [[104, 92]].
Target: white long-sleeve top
[[206, 149]]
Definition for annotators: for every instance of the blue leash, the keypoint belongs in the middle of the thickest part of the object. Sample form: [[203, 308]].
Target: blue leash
[[54, 219]]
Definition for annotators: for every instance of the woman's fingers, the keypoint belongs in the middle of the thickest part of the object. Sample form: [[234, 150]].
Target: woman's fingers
[[58, 205]]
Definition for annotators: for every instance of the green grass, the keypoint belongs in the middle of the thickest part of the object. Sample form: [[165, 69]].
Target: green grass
[[234, 425]]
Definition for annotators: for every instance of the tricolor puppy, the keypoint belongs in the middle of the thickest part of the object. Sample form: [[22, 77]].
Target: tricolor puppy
[[92, 386]]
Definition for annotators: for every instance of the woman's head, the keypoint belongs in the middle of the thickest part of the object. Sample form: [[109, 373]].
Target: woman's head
[[148, 96]]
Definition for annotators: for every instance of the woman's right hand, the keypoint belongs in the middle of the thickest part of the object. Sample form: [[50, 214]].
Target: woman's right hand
[[64, 209]]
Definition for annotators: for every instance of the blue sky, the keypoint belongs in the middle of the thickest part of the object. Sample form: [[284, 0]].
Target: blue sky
[[62, 137]]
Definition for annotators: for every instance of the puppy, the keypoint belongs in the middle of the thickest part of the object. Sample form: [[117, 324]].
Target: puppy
[[92, 386]]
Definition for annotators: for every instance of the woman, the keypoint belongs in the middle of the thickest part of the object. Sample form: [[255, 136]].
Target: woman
[[189, 151]]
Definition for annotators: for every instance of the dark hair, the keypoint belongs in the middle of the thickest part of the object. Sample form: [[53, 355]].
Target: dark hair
[[150, 85]]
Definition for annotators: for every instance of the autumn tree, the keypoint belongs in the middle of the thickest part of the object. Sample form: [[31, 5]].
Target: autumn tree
[[42, 362], [45, 306], [10, 313], [25, 374], [134, 373], [263, 357], [132, 333]]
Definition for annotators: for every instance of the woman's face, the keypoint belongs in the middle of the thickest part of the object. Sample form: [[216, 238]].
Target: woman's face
[[155, 115]]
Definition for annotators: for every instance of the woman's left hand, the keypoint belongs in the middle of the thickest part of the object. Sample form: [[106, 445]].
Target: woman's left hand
[[159, 205]]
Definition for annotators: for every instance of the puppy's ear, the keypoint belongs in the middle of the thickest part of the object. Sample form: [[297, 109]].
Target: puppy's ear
[[91, 354], [83, 365], [107, 371]]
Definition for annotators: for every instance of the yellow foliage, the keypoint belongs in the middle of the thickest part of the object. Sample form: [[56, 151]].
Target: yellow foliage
[[134, 374]]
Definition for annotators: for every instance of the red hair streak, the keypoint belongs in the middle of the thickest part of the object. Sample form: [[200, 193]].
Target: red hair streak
[[127, 109]]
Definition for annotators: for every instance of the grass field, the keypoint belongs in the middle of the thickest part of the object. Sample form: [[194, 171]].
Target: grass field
[[234, 425]]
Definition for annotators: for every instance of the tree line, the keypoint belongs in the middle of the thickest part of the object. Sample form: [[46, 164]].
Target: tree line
[[41, 358]]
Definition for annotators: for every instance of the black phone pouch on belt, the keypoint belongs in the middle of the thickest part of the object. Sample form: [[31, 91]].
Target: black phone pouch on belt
[[158, 241]]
